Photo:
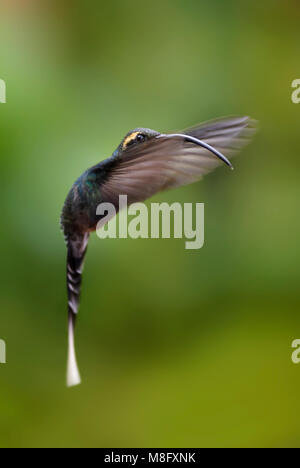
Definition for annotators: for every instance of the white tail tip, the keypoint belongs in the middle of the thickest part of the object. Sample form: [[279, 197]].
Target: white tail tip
[[73, 375]]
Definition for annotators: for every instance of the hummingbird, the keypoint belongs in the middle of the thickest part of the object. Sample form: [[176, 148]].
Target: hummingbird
[[145, 162]]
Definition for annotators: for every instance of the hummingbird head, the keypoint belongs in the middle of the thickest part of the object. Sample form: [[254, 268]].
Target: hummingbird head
[[136, 137]]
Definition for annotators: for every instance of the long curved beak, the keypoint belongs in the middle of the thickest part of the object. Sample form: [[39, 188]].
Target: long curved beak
[[204, 145]]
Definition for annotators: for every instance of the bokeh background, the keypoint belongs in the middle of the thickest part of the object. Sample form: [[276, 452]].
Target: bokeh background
[[177, 348]]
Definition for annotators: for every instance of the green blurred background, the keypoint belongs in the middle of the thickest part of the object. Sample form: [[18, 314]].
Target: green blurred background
[[177, 348]]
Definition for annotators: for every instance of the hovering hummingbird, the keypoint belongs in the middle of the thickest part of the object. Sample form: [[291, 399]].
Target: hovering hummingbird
[[145, 162]]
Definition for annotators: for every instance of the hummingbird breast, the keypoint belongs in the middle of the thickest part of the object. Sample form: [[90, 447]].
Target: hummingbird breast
[[79, 210]]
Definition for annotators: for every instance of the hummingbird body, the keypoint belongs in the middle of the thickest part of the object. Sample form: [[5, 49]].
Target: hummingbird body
[[79, 211], [146, 162]]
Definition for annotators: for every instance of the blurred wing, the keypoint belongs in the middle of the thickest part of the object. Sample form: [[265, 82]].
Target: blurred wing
[[166, 162], [228, 135]]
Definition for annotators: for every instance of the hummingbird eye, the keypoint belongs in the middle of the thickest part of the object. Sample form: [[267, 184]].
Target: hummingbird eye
[[133, 138], [140, 137]]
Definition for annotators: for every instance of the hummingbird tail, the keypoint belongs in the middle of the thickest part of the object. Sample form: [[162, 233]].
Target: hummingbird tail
[[77, 247], [73, 375]]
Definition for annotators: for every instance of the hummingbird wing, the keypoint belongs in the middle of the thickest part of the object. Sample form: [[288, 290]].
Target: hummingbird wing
[[168, 161], [227, 134]]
